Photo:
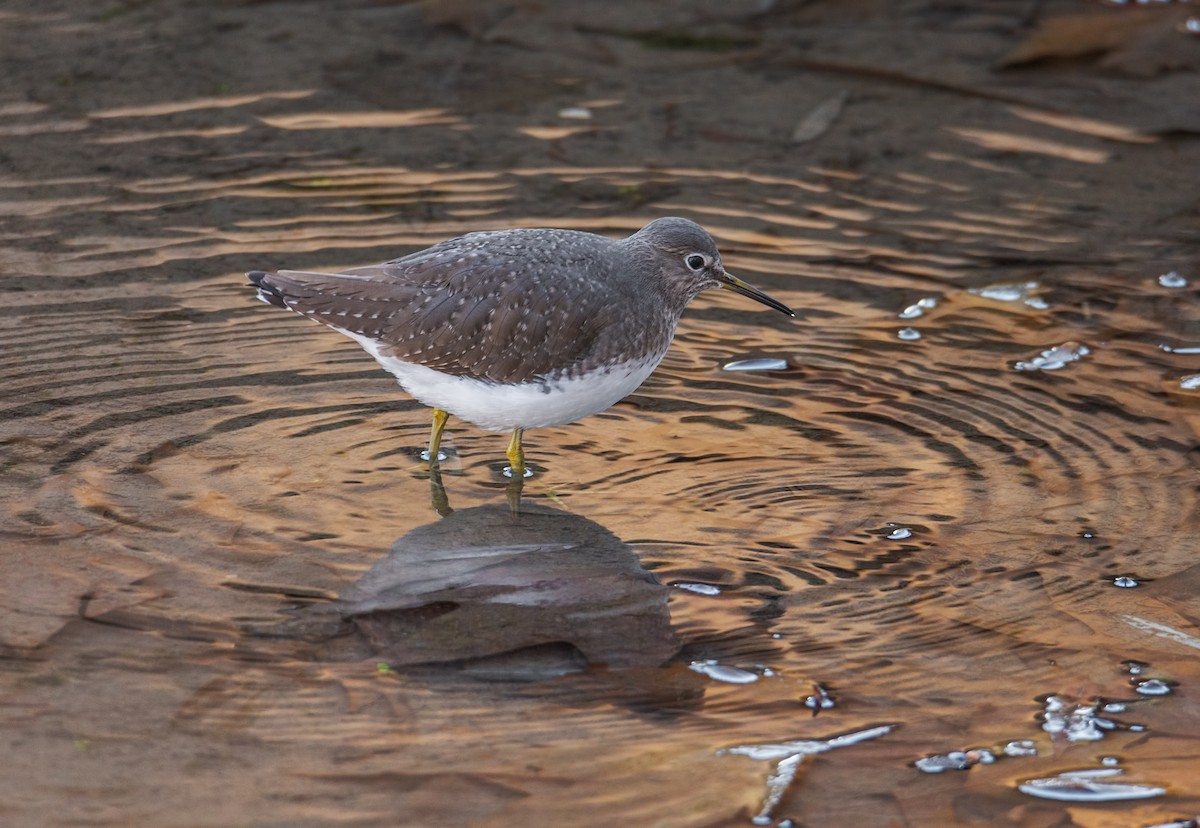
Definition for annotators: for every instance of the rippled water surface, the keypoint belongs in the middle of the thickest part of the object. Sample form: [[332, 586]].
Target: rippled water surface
[[958, 519]]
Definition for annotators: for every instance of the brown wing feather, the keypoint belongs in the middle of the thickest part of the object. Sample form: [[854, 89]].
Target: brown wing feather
[[490, 328]]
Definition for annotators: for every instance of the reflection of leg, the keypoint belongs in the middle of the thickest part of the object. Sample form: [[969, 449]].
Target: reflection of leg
[[512, 493], [437, 493], [516, 455], [435, 435]]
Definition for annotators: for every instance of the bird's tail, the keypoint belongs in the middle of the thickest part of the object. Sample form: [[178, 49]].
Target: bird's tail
[[266, 291]]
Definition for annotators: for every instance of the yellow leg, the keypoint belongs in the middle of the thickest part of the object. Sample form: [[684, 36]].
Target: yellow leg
[[435, 435], [516, 455]]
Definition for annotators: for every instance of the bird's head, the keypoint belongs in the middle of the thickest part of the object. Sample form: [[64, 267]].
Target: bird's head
[[690, 262]]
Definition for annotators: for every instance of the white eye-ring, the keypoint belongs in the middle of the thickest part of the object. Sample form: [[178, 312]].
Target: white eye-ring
[[695, 261]]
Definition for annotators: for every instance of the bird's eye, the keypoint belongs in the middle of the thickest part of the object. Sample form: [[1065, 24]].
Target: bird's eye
[[695, 261]]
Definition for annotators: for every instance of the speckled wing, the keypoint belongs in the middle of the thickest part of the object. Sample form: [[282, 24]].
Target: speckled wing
[[464, 309]]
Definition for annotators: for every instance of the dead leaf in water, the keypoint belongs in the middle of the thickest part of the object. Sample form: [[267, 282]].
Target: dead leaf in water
[[817, 122], [1138, 42]]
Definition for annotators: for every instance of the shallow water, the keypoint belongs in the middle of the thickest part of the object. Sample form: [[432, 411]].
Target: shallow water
[[228, 586]]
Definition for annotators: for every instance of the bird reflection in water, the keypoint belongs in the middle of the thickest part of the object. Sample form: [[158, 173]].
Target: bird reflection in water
[[514, 487], [519, 596]]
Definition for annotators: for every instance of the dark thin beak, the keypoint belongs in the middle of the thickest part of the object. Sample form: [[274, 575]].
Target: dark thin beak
[[735, 284]]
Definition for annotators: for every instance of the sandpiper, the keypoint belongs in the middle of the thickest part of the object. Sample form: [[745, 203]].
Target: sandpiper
[[518, 329]]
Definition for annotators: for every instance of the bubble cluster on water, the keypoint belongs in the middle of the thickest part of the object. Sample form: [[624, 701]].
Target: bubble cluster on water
[[789, 755], [1021, 747], [758, 364], [699, 589], [819, 700], [966, 759], [1126, 582], [955, 760], [918, 309], [1053, 359], [1022, 292], [908, 334], [1146, 686], [1088, 786], [900, 533], [807, 747], [1172, 280], [1152, 687], [721, 672], [1078, 721]]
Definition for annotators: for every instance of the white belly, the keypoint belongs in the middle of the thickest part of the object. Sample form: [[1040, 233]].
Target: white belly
[[499, 407]]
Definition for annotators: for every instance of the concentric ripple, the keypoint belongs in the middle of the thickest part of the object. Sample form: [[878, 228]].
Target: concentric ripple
[[928, 528]]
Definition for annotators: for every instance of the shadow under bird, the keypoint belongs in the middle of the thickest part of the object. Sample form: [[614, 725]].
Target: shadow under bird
[[517, 329]]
